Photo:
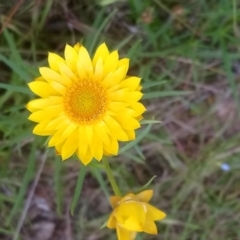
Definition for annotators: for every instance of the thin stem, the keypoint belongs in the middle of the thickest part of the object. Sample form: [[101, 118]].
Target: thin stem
[[111, 177]]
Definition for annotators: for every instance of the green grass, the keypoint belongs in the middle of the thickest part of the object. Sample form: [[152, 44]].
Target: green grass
[[187, 55]]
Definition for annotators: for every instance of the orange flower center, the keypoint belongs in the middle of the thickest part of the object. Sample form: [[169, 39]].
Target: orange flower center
[[85, 102]]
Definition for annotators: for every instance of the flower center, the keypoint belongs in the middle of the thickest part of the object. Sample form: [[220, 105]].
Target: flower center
[[85, 102]]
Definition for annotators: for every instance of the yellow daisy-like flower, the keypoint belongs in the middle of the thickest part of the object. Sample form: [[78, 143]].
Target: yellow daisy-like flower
[[86, 105], [132, 214]]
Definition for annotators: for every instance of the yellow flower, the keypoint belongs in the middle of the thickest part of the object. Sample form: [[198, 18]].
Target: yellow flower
[[86, 105], [132, 214]]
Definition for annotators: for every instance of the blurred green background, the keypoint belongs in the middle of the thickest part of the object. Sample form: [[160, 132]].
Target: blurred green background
[[188, 55]]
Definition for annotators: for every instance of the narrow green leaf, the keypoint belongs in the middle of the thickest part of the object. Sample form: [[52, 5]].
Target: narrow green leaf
[[133, 157], [230, 77], [24, 186], [152, 84], [148, 121], [94, 38], [108, 2], [145, 186], [12, 45], [15, 67], [45, 12], [98, 175], [78, 189], [124, 42], [15, 88], [133, 49], [165, 94], [58, 184], [141, 135]]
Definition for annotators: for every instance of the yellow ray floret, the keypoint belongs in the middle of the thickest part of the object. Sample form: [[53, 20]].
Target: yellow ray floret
[[132, 213], [86, 105]]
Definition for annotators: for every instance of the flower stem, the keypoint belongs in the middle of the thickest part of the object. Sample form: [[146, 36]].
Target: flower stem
[[111, 178]]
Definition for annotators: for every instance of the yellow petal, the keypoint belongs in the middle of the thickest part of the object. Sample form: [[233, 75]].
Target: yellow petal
[[68, 129], [63, 133], [66, 70], [138, 107], [42, 89], [54, 123], [119, 95], [81, 71], [114, 200], [87, 158], [115, 128], [102, 131], [154, 213], [70, 145], [83, 144], [71, 57], [98, 71], [127, 122], [112, 223], [39, 129], [53, 60], [124, 62], [111, 63], [58, 87], [131, 83], [77, 47], [41, 79], [47, 113], [145, 196], [49, 74], [58, 148], [54, 79], [85, 60], [117, 106], [114, 78], [131, 134], [96, 147], [150, 227], [131, 215], [42, 103], [89, 134], [101, 52], [113, 147], [124, 234]]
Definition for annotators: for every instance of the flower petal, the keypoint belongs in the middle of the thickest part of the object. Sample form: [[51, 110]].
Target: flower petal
[[111, 63], [85, 60], [112, 223], [101, 52], [145, 196], [114, 200], [115, 128], [71, 57], [150, 227], [53, 60], [43, 89], [154, 213], [124, 234], [42, 103], [70, 145]]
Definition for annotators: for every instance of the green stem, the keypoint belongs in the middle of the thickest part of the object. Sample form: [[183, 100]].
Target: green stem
[[111, 177]]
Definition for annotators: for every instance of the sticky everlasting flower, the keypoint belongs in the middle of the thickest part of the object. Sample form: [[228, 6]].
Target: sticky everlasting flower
[[86, 105], [132, 214]]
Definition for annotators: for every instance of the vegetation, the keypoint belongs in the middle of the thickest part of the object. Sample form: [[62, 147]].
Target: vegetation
[[187, 53]]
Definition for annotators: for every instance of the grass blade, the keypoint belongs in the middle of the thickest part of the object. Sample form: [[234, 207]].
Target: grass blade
[[78, 189], [138, 139], [24, 186], [165, 94]]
